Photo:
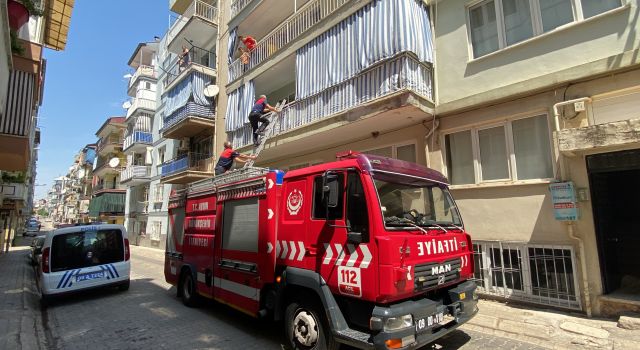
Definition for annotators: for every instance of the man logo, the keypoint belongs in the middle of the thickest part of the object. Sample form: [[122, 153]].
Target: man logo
[[440, 269]]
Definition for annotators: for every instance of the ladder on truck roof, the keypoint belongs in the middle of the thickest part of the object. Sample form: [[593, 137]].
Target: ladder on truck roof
[[230, 176], [274, 124]]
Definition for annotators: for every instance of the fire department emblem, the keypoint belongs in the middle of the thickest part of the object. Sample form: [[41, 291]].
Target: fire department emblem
[[294, 202]]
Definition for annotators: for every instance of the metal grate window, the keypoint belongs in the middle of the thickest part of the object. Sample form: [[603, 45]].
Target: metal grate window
[[534, 273]]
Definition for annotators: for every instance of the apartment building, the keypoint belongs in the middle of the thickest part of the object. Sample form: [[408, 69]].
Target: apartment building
[[468, 88], [23, 37], [108, 194], [538, 101], [138, 139]]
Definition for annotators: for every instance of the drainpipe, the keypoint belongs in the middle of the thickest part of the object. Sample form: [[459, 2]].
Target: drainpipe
[[570, 227], [436, 124], [583, 266]]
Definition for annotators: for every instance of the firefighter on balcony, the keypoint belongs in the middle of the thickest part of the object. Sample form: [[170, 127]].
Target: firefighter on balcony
[[257, 115], [228, 156]]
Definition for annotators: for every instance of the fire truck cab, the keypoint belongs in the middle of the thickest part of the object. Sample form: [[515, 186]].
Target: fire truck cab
[[367, 251]]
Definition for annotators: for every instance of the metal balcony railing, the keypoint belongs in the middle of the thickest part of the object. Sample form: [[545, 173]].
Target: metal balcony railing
[[113, 139], [137, 137], [146, 71], [291, 28], [135, 172], [403, 72], [197, 8], [237, 6], [189, 161], [191, 109], [197, 55], [106, 185]]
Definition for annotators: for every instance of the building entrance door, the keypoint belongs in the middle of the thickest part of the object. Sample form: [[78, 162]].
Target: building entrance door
[[615, 190]]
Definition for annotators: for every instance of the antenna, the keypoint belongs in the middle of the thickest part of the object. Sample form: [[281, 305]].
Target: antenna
[[211, 91], [114, 162]]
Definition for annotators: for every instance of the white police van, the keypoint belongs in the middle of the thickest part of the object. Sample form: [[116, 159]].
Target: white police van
[[84, 257]]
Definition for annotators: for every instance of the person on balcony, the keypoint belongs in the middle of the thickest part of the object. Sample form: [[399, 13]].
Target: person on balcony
[[228, 156], [258, 115], [248, 41], [184, 58]]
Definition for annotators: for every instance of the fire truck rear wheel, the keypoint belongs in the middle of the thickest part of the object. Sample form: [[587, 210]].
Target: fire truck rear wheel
[[307, 327], [189, 293]]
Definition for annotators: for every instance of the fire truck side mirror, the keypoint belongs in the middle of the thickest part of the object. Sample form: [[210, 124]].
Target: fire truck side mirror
[[331, 189]]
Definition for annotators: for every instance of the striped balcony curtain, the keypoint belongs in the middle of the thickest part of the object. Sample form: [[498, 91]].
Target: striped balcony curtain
[[376, 32], [238, 106], [143, 123], [18, 113], [190, 88], [231, 43]]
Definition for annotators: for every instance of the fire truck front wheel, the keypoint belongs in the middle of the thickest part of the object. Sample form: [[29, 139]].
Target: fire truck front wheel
[[307, 327], [188, 289]]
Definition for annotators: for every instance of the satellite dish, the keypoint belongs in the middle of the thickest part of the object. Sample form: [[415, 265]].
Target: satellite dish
[[127, 76], [114, 162], [81, 173], [126, 104], [211, 91]]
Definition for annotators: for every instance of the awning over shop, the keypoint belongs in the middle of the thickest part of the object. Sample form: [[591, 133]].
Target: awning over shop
[[106, 203]]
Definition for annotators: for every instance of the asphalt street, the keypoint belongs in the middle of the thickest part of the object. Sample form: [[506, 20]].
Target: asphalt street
[[150, 316]]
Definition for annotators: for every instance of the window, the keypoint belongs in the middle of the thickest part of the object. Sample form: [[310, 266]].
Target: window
[[496, 24], [401, 152], [519, 149], [357, 216], [161, 155], [319, 208], [156, 229], [76, 250], [158, 193], [540, 274]]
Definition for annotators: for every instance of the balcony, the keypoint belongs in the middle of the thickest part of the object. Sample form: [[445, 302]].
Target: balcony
[[237, 6], [200, 60], [382, 97], [109, 144], [141, 71], [137, 141], [287, 32], [188, 168], [198, 24], [135, 174], [189, 120], [108, 186], [15, 191], [102, 167], [141, 104]]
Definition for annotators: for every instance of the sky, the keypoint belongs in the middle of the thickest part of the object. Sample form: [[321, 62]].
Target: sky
[[84, 84]]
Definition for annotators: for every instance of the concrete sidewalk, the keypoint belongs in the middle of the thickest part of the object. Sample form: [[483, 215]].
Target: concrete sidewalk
[[554, 329], [21, 322]]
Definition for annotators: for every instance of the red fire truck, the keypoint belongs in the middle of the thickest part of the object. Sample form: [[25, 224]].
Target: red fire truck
[[367, 251]]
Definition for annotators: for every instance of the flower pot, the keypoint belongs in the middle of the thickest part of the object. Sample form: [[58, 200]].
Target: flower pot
[[18, 14]]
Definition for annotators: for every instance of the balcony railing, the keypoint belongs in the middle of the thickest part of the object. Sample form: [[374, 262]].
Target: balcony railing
[[137, 103], [197, 55], [109, 140], [142, 71], [196, 8], [191, 109], [189, 161], [237, 6], [404, 72], [137, 137], [294, 26], [107, 185], [135, 171]]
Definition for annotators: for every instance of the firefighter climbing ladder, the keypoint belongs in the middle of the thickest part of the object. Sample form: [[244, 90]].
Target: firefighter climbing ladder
[[274, 124]]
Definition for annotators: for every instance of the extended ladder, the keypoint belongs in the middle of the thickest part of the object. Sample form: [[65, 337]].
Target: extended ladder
[[274, 124], [230, 176]]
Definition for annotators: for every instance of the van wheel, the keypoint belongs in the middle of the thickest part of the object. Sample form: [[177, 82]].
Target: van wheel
[[189, 293], [125, 286], [307, 327]]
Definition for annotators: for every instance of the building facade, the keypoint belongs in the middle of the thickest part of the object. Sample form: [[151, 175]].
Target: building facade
[[473, 89], [23, 37], [108, 194]]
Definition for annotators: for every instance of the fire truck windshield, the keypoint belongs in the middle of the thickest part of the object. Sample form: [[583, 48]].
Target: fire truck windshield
[[419, 203]]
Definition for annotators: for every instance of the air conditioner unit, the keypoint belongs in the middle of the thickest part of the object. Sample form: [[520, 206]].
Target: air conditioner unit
[[184, 144]]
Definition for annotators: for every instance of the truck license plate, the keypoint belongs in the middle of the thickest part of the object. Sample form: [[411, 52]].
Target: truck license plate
[[430, 321]]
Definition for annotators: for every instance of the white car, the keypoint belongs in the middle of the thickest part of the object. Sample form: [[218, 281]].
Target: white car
[[84, 257]]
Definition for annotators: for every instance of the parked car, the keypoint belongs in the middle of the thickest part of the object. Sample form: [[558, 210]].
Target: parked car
[[33, 227], [84, 257], [36, 250]]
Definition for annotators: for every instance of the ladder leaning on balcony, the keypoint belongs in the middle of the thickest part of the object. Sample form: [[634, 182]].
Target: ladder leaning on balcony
[[274, 123]]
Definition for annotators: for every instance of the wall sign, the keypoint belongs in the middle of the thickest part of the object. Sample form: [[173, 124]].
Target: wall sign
[[563, 197]]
